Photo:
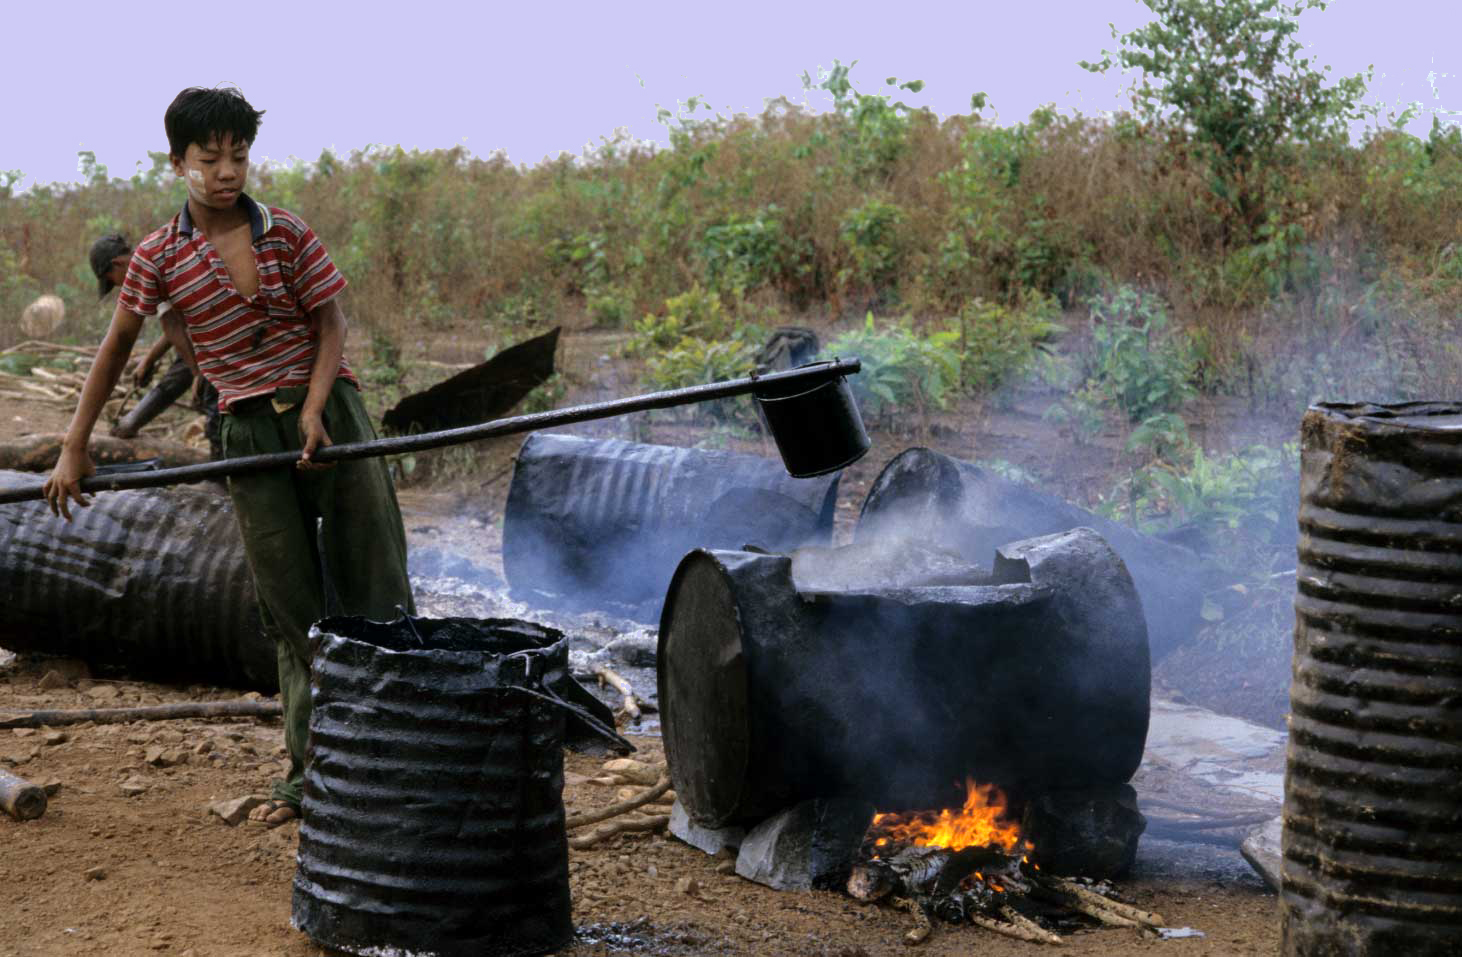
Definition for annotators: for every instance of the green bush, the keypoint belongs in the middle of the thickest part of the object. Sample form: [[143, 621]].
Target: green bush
[[903, 370], [1242, 502], [696, 313], [742, 254], [870, 234], [1139, 364], [998, 344], [693, 361]]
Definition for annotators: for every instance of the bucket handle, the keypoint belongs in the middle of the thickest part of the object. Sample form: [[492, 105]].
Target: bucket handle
[[594, 724]]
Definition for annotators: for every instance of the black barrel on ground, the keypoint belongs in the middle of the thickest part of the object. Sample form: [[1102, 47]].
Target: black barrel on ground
[[601, 523], [154, 581], [770, 695], [932, 497], [1373, 791], [433, 818]]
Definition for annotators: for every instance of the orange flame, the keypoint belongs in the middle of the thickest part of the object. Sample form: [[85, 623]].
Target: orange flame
[[981, 822]]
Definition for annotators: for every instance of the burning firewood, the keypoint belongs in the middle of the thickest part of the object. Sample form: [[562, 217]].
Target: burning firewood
[[922, 927], [971, 866]]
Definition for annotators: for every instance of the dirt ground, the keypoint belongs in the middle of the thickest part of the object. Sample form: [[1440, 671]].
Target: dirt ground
[[174, 879], [129, 861]]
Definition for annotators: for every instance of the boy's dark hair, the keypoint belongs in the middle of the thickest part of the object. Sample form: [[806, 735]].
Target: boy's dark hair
[[103, 251], [199, 116]]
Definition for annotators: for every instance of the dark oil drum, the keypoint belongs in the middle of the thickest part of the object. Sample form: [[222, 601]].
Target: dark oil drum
[[774, 689], [1373, 792], [433, 820], [151, 581]]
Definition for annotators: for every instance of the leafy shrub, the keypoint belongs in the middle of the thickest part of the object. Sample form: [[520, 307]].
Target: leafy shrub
[[1139, 366], [998, 344], [902, 369], [1242, 503], [1234, 75], [870, 233], [696, 313], [693, 361], [743, 253], [609, 306]]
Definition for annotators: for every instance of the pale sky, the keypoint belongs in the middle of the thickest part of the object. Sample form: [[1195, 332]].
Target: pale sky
[[538, 80]]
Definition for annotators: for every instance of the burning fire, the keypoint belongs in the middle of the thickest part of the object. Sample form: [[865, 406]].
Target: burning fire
[[982, 822]]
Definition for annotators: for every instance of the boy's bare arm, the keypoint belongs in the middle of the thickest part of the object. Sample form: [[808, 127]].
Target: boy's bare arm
[[328, 325], [149, 361], [74, 463], [172, 328]]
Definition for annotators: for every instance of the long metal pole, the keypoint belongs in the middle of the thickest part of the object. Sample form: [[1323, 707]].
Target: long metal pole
[[397, 445]]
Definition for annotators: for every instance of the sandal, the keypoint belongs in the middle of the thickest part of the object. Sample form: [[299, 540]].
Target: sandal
[[265, 813]]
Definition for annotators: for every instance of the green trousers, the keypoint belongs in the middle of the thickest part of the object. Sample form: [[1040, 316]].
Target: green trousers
[[301, 529]]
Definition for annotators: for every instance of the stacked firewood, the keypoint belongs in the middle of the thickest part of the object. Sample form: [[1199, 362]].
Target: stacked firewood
[[1005, 893], [56, 375], [642, 803]]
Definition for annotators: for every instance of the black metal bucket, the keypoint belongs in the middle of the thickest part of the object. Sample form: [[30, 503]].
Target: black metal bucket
[[818, 429], [433, 820]]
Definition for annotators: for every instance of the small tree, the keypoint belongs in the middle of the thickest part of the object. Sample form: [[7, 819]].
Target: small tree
[[1233, 75]]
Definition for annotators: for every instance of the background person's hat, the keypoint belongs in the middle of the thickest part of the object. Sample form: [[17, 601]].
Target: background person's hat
[[103, 251]]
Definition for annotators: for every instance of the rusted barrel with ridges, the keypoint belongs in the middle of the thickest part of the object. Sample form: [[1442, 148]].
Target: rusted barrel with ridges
[[154, 581], [1373, 793]]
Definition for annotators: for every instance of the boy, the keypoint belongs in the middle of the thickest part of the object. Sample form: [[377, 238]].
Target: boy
[[258, 296], [109, 256]]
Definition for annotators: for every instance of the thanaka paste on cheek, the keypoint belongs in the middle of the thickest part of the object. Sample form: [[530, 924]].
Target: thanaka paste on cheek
[[195, 185]]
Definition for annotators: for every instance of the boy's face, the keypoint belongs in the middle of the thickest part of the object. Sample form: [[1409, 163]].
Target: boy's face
[[215, 172], [117, 271]]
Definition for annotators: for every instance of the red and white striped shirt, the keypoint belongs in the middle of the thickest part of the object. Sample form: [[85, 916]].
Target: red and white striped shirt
[[251, 346]]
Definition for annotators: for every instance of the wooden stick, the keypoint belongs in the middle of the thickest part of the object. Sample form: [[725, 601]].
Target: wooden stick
[[619, 827], [1009, 930], [922, 927], [161, 712], [35, 345], [21, 799], [606, 676], [618, 808], [1020, 920], [1127, 911]]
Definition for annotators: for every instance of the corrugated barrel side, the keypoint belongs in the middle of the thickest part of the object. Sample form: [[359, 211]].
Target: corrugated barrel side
[[433, 815], [152, 580], [602, 523], [1373, 793]]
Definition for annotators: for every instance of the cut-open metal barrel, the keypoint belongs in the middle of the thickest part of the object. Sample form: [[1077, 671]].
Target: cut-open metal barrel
[[1373, 792], [771, 694], [433, 812]]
